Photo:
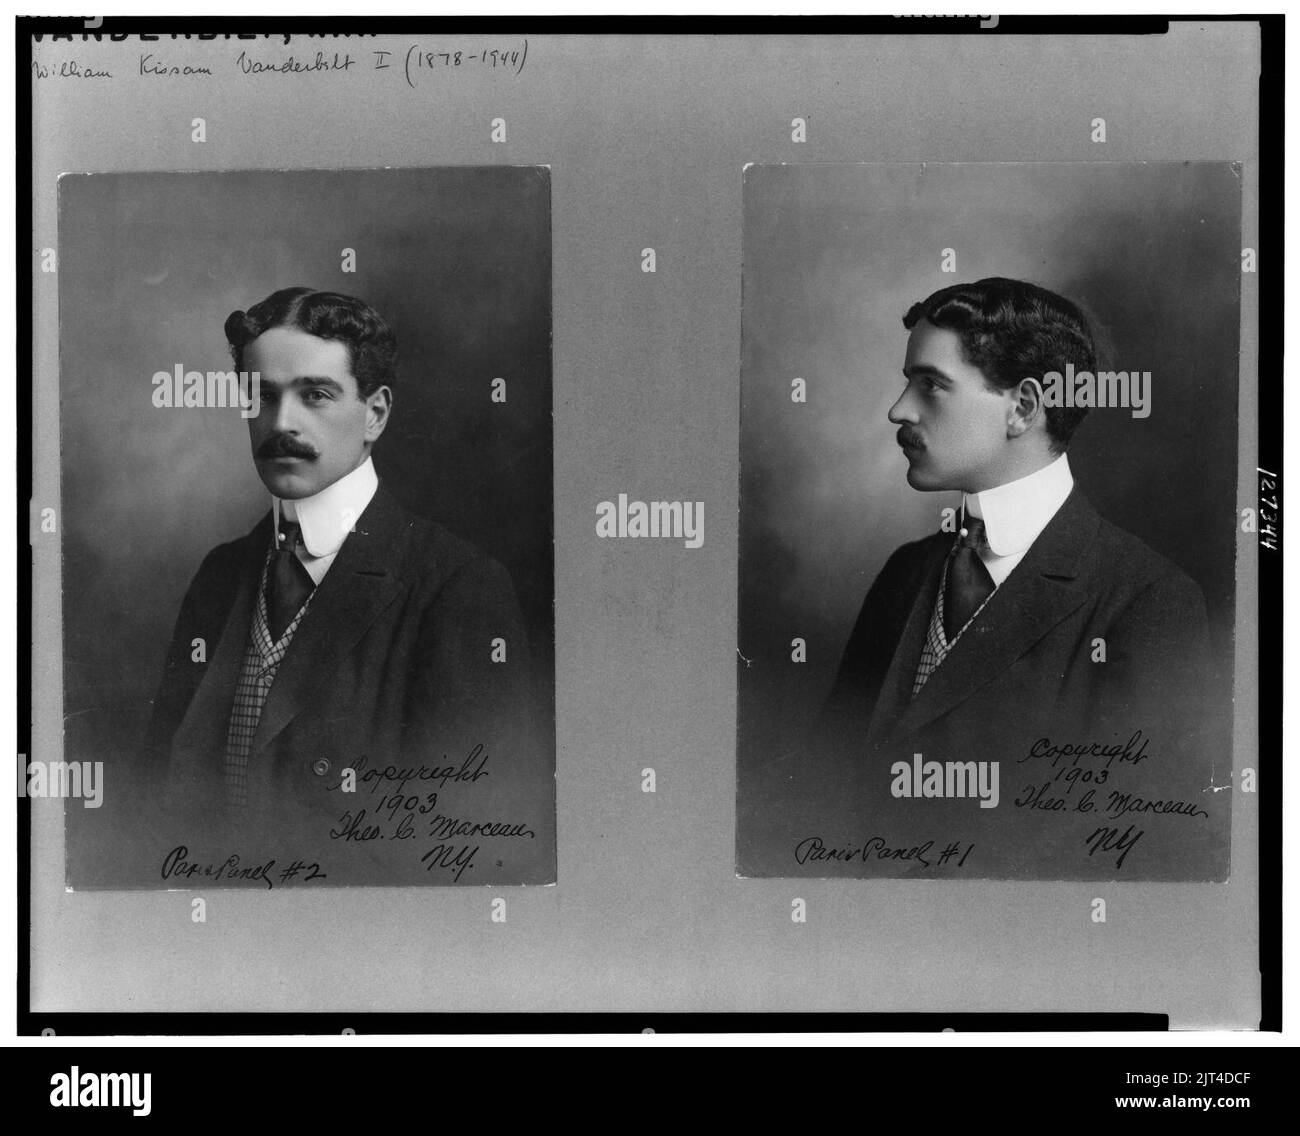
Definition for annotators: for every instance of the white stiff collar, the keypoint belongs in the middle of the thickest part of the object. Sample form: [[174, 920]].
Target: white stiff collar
[[1015, 513], [328, 516]]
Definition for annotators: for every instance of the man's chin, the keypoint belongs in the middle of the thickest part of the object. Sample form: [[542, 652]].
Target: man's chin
[[288, 484], [918, 479]]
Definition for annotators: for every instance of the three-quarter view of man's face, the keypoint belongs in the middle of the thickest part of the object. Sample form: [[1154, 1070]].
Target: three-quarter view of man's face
[[952, 424], [312, 428]]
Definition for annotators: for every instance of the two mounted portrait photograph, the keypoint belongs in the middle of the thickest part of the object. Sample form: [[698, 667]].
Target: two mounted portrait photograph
[[363, 360]]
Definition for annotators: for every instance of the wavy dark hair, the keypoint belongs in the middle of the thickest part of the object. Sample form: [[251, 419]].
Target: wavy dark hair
[[1011, 331], [372, 347]]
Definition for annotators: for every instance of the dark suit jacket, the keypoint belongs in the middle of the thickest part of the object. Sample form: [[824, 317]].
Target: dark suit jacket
[[390, 666], [1029, 672]]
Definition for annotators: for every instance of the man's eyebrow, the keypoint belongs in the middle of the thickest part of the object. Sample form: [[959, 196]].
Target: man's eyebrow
[[924, 369], [304, 381]]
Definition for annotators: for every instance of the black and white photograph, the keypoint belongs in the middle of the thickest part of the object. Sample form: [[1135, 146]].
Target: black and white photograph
[[307, 542], [680, 527], [988, 452]]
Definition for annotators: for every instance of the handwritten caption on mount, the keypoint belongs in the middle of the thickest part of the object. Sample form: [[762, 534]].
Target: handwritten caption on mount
[[418, 61]]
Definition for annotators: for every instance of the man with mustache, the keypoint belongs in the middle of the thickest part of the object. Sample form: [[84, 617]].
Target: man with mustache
[[1036, 619], [342, 636]]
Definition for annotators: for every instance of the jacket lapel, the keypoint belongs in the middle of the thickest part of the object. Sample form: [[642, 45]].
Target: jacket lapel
[[896, 689], [201, 736], [1041, 591], [364, 579]]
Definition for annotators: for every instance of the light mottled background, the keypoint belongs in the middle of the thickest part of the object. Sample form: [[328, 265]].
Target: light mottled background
[[646, 139]]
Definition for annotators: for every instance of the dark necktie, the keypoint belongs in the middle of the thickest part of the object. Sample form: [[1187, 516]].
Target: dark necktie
[[288, 583], [969, 582]]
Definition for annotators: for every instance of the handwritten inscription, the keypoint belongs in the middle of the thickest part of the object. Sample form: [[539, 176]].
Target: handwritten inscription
[[1270, 510], [177, 865], [1083, 780], [1133, 751], [418, 59], [1118, 804], [290, 65], [151, 65], [67, 69], [401, 807], [411, 64], [454, 858], [814, 850], [1112, 840], [470, 770]]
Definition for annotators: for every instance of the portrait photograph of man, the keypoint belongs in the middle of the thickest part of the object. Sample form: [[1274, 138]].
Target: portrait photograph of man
[[987, 521], [308, 527]]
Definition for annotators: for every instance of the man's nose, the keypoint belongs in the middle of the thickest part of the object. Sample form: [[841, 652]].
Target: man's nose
[[285, 418], [902, 411]]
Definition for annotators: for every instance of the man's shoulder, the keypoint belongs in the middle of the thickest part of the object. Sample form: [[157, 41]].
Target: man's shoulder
[[916, 555], [1111, 558], [921, 548], [226, 560], [429, 552], [1125, 560], [904, 573], [434, 549]]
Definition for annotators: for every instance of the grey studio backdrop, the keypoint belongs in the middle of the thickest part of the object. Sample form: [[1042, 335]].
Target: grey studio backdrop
[[834, 258], [646, 139]]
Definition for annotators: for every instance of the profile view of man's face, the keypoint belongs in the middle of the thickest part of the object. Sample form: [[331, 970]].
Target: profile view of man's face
[[312, 428], [952, 425]]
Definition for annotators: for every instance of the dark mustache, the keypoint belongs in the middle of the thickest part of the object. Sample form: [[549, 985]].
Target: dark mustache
[[906, 437], [285, 446]]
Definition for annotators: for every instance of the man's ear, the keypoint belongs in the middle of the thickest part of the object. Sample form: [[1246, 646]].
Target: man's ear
[[379, 405], [1026, 408]]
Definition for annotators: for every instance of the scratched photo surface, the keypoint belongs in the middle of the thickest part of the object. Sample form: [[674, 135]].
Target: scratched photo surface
[[401, 731], [1079, 727]]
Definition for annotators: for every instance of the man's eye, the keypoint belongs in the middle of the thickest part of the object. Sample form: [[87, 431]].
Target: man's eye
[[316, 395], [267, 396]]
